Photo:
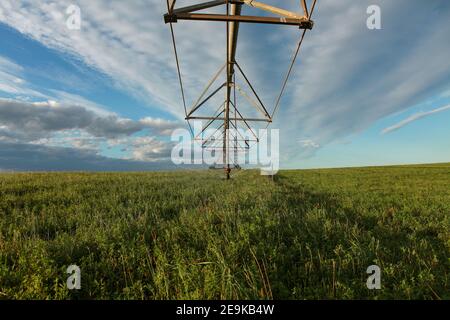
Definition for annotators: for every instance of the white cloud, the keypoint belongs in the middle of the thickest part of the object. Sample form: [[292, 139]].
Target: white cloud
[[308, 143], [413, 118], [148, 149], [164, 127], [11, 81]]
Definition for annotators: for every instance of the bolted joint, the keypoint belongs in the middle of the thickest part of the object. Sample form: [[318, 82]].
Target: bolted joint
[[307, 25], [170, 18]]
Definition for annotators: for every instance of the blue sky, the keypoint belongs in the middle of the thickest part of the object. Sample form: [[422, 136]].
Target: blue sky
[[105, 97]]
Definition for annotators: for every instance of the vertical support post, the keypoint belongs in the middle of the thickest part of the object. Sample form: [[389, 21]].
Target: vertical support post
[[227, 101], [235, 120], [232, 36]]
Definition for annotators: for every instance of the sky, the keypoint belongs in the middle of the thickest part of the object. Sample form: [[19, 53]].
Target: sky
[[106, 96]]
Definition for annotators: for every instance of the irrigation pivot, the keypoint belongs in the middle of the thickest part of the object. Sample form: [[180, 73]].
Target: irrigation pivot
[[228, 115]]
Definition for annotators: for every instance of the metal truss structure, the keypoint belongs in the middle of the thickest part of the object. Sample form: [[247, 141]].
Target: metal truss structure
[[228, 117]]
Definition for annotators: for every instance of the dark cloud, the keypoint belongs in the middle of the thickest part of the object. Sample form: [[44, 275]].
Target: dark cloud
[[29, 139], [29, 157], [30, 121]]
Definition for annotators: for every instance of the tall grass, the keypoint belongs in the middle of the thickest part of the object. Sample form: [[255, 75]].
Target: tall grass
[[192, 235]]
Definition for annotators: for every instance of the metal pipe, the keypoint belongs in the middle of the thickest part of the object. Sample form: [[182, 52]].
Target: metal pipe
[[206, 99], [198, 7], [272, 9], [227, 101], [301, 23], [232, 119], [232, 41]]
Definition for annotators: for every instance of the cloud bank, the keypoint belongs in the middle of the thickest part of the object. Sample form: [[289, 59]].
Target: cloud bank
[[29, 157], [52, 124]]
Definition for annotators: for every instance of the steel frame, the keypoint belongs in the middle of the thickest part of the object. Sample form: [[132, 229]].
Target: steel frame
[[233, 18]]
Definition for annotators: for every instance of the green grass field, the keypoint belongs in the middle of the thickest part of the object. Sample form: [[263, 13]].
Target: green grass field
[[192, 235]]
